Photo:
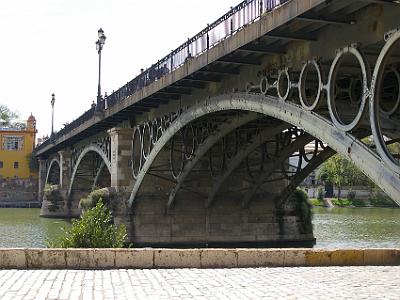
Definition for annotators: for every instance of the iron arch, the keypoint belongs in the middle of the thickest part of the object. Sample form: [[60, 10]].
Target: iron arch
[[53, 163], [91, 148], [340, 141]]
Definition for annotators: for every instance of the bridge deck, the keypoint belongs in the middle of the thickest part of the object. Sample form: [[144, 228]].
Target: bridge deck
[[254, 39]]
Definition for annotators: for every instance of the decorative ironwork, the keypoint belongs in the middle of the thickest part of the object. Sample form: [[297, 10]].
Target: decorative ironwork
[[318, 88], [103, 144], [229, 24]]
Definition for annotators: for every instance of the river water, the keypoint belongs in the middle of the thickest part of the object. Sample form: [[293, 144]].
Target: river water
[[333, 228]]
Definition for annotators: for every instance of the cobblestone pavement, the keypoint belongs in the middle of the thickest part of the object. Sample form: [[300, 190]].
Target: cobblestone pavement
[[262, 283]]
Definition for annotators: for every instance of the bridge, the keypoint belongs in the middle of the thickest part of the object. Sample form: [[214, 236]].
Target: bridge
[[196, 149]]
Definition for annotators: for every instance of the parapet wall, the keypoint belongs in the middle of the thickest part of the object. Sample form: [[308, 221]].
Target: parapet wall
[[192, 258]]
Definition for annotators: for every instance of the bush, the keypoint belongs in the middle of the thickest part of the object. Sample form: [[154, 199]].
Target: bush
[[94, 197], [378, 198], [316, 202], [93, 230], [303, 210], [53, 197], [351, 195], [358, 202], [342, 202], [321, 194]]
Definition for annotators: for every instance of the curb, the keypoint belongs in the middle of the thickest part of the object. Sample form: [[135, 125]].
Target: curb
[[146, 258]]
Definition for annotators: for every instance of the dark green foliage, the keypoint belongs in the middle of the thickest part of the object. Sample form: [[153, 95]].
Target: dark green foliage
[[8, 118], [378, 198], [351, 195], [341, 172], [54, 197], [358, 202], [342, 202], [303, 210], [316, 202], [33, 162], [95, 229], [321, 194], [94, 197]]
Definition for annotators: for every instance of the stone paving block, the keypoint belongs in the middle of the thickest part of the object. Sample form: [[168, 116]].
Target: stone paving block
[[214, 258], [134, 258], [318, 257], [347, 257], [177, 258], [294, 257], [260, 258], [12, 258], [46, 258]]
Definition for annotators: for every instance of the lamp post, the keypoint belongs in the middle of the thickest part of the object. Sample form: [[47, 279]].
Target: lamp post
[[99, 46], [53, 100]]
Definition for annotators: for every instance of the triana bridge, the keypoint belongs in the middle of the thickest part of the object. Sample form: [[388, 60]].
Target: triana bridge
[[196, 149]]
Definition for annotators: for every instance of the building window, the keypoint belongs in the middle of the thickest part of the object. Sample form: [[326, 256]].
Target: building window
[[1, 165], [13, 143], [16, 165]]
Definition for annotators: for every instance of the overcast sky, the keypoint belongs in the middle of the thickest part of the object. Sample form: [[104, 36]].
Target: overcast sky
[[48, 46]]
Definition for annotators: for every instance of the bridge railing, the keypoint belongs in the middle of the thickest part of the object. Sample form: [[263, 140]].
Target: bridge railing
[[233, 21]]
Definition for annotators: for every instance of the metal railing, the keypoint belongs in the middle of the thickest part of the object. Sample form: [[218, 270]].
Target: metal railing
[[233, 21]]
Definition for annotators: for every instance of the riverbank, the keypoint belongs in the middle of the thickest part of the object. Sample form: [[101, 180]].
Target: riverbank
[[19, 204], [346, 202]]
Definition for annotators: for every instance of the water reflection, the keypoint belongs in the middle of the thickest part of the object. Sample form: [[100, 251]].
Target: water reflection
[[22, 227], [357, 227]]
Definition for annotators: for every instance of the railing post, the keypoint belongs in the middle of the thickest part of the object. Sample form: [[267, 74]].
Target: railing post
[[208, 37], [261, 7]]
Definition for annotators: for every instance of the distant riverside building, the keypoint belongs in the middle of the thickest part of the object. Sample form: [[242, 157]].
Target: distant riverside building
[[15, 150]]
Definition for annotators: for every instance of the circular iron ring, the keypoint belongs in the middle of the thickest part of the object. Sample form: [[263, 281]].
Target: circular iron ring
[[374, 106], [366, 78], [283, 95], [302, 85]]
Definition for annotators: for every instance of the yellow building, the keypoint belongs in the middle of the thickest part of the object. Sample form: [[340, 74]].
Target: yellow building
[[15, 150]]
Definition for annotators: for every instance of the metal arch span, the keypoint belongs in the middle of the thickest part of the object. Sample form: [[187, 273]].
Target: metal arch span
[[91, 148], [54, 160], [342, 142], [257, 141], [210, 141]]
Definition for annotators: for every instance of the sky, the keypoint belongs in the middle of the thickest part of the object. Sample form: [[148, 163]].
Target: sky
[[48, 46]]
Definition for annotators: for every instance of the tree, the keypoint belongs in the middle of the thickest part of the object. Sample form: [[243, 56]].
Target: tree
[[339, 171], [9, 118], [93, 230]]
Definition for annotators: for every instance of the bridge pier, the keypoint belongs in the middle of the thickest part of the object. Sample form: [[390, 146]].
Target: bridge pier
[[41, 178], [54, 198]]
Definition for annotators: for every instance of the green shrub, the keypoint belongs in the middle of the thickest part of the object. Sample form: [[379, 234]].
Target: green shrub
[[53, 197], [342, 202], [351, 195], [358, 202], [94, 230], [316, 202], [321, 194], [303, 210], [94, 197], [378, 198]]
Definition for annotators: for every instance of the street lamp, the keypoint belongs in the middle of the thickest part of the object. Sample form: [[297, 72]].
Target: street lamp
[[53, 100], [99, 46]]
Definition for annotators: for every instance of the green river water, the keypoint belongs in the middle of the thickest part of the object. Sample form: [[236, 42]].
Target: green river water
[[333, 228]]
